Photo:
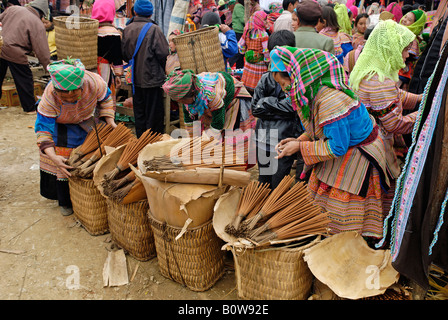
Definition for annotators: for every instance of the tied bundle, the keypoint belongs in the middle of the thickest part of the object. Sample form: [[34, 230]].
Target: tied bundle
[[121, 181], [197, 153], [92, 142], [286, 213], [120, 135]]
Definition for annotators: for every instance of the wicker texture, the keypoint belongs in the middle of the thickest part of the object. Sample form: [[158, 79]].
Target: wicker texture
[[273, 274], [78, 42], [195, 260], [89, 206], [130, 228], [200, 50]]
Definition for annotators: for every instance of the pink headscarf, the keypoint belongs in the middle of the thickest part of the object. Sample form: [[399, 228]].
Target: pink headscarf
[[354, 10], [256, 22], [103, 10], [395, 9]]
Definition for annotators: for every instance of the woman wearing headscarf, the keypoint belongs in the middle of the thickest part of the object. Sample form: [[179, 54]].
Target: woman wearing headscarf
[[216, 99], [395, 8], [332, 28], [70, 104], [110, 59], [254, 45], [374, 79], [415, 21], [340, 143], [172, 61]]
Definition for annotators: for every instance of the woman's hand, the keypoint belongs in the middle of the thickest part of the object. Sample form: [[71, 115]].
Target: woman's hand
[[59, 162], [287, 147], [117, 83], [110, 121]]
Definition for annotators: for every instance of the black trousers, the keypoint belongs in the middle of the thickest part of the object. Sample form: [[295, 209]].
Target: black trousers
[[149, 112], [23, 80]]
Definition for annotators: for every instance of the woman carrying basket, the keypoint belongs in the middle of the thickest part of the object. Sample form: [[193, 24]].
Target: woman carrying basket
[[340, 143], [64, 116]]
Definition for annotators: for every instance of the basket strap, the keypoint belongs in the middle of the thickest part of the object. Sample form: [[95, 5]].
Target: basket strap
[[167, 251]]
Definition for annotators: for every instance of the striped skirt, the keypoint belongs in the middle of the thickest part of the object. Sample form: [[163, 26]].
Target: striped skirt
[[252, 74], [350, 212]]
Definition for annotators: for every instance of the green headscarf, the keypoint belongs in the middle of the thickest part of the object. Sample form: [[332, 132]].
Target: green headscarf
[[343, 20], [67, 75], [382, 53], [420, 21]]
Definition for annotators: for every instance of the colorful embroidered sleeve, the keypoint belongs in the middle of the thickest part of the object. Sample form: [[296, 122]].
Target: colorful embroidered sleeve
[[242, 45], [408, 99], [44, 128], [316, 151], [393, 120], [266, 52], [215, 90]]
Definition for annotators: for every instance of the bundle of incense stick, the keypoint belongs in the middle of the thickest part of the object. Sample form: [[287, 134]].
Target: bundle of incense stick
[[131, 152], [120, 135], [287, 212], [111, 186], [92, 142], [252, 195], [195, 153], [132, 192], [282, 196]]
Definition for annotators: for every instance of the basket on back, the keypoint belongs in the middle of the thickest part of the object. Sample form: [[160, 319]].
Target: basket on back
[[77, 37], [200, 50]]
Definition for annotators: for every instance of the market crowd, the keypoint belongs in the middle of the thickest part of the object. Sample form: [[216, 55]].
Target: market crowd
[[321, 84]]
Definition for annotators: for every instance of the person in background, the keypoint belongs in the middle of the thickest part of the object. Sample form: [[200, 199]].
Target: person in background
[[415, 21], [284, 21], [172, 61], [254, 45], [227, 37], [237, 8], [276, 120], [275, 10], [341, 40], [65, 114], [352, 56], [360, 26], [110, 57], [295, 20], [149, 68], [309, 13], [374, 79], [23, 32], [395, 8], [51, 36]]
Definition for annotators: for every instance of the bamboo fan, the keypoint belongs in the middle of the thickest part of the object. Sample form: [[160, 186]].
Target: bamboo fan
[[119, 136], [280, 198], [91, 142], [131, 151], [253, 194]]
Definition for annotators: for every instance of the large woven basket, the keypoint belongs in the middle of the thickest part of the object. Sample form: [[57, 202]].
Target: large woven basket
[[200, 50], [273, 273], [78, 40], [89, 206], [195, 260], [130, 228]]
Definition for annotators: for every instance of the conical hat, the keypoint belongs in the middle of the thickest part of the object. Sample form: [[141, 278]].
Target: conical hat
[[346, 264]]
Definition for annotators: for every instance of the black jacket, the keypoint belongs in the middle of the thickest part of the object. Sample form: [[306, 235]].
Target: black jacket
[[274, 111], [151, 58]]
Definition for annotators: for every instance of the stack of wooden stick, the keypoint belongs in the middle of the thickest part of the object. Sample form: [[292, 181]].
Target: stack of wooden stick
[[286, 212]]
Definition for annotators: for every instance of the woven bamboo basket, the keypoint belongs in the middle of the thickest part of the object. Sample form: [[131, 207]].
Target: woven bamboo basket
[[273, 273], [200, 50], [89, 206], [130, 228], [77, 40], [195, 260]]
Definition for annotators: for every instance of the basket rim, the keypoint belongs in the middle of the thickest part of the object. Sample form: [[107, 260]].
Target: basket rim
[[196, 32], [151, 217], [81, 19]]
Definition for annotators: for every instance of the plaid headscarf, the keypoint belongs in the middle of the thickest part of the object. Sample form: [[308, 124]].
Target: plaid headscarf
[[178, 83], [309, 69], [256, 23], [67, 74]]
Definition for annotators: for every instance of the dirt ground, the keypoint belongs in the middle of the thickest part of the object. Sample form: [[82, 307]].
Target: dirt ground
[[41, 250]]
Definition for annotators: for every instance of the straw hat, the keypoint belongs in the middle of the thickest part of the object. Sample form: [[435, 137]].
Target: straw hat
[[346, 264]]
